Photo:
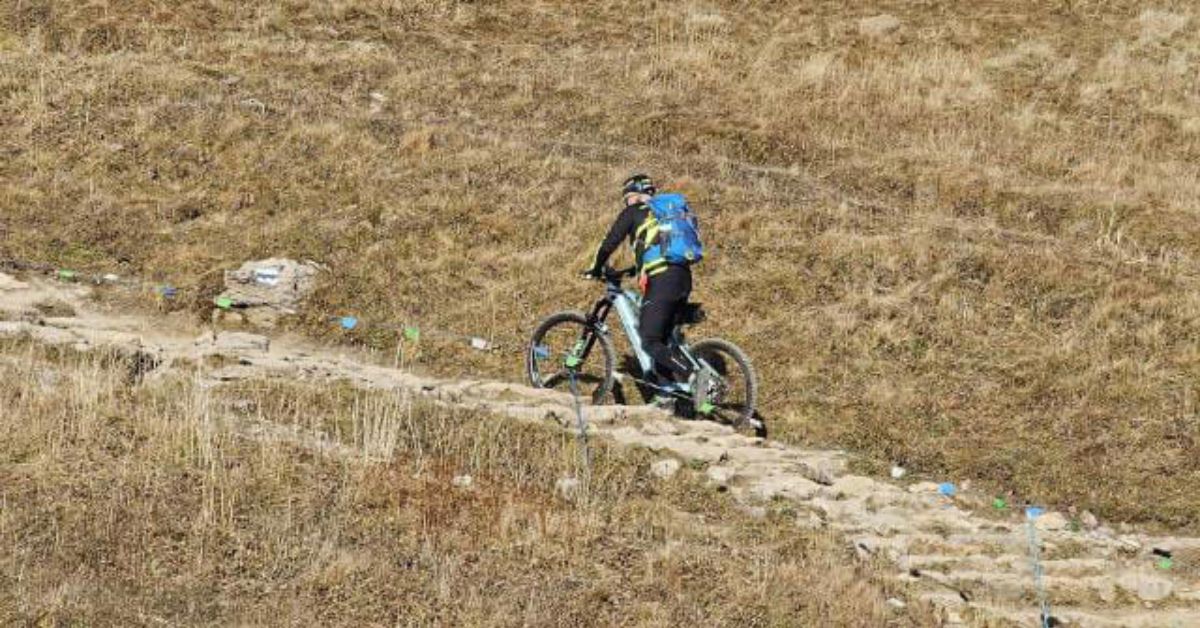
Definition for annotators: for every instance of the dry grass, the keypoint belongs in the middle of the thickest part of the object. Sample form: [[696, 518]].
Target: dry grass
[[152, 505], [968, 244]]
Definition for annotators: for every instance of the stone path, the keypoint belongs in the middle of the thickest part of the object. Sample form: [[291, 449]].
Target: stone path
[[976, 568]]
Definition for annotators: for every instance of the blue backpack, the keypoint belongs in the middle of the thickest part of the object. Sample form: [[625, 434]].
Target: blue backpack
[[674, 236]]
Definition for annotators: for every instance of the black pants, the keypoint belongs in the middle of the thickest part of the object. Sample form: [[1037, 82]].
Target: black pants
[[666, 295]]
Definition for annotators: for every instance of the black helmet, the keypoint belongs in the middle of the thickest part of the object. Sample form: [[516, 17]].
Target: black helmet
[[638, 184]]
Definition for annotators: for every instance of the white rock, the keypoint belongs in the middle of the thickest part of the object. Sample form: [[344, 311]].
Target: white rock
[[809, 520], [1147, 587], [463, 481], [711, 20], [897, 473], [721, 476], [254, 103], [48, 379], [821, 471], [878, 26], [896, 602], [567, 488], [665, 468], [1050, 521]]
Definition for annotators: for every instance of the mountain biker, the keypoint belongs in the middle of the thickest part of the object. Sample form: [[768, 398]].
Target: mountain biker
[[666, 288]]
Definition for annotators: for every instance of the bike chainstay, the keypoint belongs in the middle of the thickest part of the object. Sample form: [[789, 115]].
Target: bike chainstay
[[678, 394]]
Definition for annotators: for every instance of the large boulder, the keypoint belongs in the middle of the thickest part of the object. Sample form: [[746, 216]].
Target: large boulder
[[879, 26], [260, 292]]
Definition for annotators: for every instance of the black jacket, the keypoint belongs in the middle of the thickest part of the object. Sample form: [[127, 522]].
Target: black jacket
[[623, 228]]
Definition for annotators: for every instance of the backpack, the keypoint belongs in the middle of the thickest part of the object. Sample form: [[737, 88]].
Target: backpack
[[673, 237]]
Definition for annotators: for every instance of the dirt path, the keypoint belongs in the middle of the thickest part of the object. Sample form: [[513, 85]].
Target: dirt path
[[977, 568]]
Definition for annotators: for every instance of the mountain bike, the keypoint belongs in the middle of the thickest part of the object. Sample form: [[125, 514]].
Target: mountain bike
[[574, 351]]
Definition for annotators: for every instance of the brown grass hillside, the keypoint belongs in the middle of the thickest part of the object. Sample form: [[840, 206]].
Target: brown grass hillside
[[964, 239], [129, 506]]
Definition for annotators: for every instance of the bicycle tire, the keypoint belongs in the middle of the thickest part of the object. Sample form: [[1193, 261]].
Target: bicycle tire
[[745, 416], [607, 352]]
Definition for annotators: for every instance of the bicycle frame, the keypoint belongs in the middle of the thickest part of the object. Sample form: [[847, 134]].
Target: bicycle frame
[[627, 303]]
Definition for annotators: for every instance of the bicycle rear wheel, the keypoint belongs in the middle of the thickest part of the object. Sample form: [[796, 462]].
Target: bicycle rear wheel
[[564, 342], [735, 391]]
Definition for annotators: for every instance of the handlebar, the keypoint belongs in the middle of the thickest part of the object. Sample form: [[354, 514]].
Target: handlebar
[[613, 275]]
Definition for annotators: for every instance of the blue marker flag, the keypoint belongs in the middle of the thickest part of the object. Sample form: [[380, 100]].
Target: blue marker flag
[[947, 489], [348, 322], [1033, 512]]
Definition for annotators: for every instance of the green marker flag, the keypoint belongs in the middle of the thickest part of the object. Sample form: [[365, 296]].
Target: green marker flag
[[224, 303], [999, 503], [1165, 564], [412, 333], [67, 275]]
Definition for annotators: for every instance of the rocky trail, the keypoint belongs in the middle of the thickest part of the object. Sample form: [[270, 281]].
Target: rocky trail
[[973, 563]]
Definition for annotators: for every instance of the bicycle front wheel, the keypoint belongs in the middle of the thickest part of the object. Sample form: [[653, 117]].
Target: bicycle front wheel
[[735, 391], [566, 343]]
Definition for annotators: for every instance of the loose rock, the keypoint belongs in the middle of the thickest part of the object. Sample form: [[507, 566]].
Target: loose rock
[[879, 26], [567, 488], [665, 468], [720, 476], [821, 471], [809, 520], [271, 288], [1051, 521], [1147, 587]]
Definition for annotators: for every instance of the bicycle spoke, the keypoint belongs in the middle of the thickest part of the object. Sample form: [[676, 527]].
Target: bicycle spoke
[[569, 346]]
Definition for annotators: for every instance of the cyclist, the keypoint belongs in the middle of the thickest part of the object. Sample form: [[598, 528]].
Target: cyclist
[[665, 288]]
